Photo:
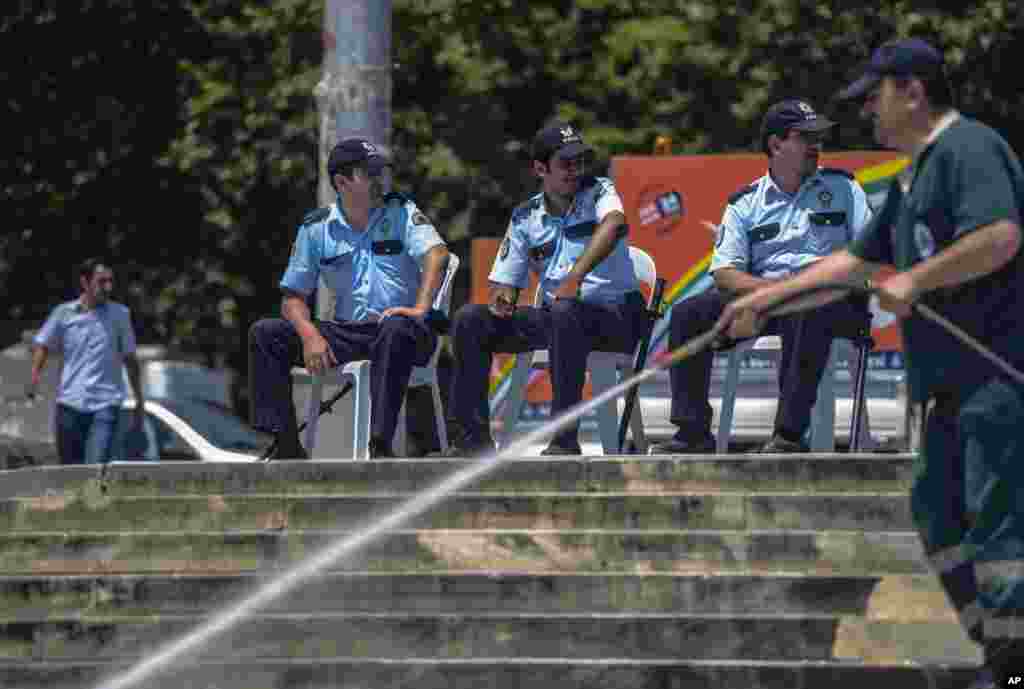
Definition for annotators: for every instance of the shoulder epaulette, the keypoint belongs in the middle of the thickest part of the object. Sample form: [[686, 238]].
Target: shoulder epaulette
[[837, 171], [750, 188], [525, 208], [587, 181], [395, 196], [316, 215]]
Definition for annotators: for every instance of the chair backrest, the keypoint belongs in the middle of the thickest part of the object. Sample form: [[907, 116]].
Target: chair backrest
[[443, 298], [443, 301], [643, 266]]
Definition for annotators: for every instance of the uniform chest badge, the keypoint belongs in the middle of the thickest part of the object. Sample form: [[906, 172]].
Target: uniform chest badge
[[825, 197]]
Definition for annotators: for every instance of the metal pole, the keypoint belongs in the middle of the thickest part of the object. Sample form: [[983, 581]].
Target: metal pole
[[354, 94]]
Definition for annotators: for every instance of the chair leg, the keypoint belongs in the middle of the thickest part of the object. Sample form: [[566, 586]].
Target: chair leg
[[514, 396], [316, 390], [859, 407], [732, 379], [636, 424], [361, 415], [439, 417], [602, 377], [823, 415], [400, 443]]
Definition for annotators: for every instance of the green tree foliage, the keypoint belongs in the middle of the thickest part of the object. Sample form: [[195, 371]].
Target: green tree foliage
[[184, 140]]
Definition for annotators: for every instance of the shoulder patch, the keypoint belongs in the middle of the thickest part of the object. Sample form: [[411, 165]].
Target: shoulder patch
[[395, 196], [749, 189], [837, 171], [420, 219], [316, 215], [523, 210]]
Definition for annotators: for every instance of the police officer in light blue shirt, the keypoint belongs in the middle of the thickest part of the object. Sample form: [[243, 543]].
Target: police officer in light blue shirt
[[792, 216], [384, 261], [573, 236], [95, 336]]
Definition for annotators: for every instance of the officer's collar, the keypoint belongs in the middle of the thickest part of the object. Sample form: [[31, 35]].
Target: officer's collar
[[568, 210], [771, 186], [338, 213]]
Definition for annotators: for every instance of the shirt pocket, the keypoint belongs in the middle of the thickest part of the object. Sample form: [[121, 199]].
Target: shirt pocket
[[337, 270], [829, 231]]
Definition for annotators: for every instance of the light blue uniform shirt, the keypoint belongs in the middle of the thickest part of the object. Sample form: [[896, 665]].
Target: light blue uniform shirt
[[369, 271], [770, 234], [550, 245], [93, 343]]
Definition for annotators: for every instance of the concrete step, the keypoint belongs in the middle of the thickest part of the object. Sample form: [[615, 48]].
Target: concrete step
[[878, 597], [629, 474], [691, 510], [637, 551], [324, 672], [491, 635]]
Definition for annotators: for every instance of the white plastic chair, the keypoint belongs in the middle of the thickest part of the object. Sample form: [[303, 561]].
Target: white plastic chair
[[358, 373], [603, 367], [823, 414]]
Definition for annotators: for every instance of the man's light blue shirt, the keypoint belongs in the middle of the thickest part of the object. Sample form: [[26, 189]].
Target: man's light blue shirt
[[769, 233], [369, 271], [550, 245], [93, 343]]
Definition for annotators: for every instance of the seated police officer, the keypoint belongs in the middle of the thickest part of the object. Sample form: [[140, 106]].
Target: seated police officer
[[572, 235], [780, 223], [385, 262]]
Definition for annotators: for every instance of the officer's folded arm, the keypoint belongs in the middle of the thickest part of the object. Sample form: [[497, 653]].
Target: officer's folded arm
[[600, 246], [736, 282]]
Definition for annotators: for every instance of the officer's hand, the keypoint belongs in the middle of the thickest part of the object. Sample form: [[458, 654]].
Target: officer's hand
[[741, 318], [897, 294], [410, 311], [501, 306], [317, 355], [568, 288]]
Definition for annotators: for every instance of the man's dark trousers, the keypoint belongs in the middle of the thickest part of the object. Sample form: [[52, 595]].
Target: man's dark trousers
[[394, 345], [568, 328], [806, 341]]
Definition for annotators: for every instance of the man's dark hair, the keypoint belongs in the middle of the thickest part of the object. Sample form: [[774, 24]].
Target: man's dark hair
[[87, 268]]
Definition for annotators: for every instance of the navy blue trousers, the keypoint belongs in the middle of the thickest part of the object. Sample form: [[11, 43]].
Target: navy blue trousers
[[806, 339], [968, 505], [393, 345], [568, 328]]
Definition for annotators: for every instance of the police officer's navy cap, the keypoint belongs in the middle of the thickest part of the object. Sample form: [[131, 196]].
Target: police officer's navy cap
[[558, 139], [901, 57], [355, 150], [792, 114]]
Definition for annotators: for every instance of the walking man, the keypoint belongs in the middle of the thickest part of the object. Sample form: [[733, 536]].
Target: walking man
[[951, 225], [95, 336]]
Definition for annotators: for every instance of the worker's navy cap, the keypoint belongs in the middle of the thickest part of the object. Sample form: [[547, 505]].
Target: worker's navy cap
[[901, 57]]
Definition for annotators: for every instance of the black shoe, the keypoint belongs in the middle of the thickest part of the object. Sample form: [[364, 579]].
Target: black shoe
[[556, 450], [380, 450], [298, 452], [466, 450], [700, 445], [780, 445]]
